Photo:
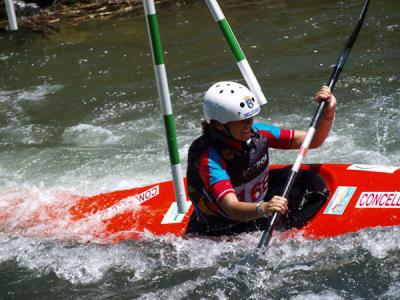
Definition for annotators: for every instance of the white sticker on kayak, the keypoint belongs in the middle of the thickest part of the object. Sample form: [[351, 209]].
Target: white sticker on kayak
[[148, 194], [379, 200], [339, 200], [130, 203], [173, 216], [372, 168]]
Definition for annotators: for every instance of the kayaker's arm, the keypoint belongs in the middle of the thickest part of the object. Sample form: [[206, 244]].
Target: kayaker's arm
[[245, 211], [325, 123]]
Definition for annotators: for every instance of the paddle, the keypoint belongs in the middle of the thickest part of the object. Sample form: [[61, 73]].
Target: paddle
[[312, 128]]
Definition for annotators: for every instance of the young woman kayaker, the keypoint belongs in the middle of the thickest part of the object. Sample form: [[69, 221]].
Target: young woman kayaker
[[229, 181]]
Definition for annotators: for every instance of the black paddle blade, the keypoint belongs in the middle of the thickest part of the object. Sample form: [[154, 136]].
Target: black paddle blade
[[347, 49]]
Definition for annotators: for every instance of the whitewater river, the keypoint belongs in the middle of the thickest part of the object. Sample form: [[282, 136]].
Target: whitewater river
[[79, 114]]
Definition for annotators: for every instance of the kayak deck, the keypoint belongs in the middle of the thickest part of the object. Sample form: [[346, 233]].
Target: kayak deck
[[360, 196]]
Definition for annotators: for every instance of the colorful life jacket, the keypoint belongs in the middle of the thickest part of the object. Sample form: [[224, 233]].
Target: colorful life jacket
[[218, 166]]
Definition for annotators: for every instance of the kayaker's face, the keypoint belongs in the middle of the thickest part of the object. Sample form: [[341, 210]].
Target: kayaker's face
[[241, 130]]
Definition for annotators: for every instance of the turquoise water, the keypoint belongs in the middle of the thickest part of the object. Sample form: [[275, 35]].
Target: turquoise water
[[79, 113]]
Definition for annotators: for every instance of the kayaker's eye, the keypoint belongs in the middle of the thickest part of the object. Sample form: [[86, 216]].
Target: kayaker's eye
[[241, 104]]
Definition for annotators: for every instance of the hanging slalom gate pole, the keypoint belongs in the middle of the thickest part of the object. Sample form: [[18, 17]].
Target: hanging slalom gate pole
[[165, 100], [237, 52], [12, 19]]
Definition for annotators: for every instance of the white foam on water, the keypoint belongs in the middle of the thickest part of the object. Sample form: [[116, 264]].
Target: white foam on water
[[325, 295], [3, 57], [76, 263], [45, 213], [393, 291], [360, 134], [180, 291], [89, 135], [4, 95], [284, 260], [37, 93], [143, 157], [277, 265], [27, 134], [381, 243], [378, 241], [111, 111], [14, 113], [210, 261]]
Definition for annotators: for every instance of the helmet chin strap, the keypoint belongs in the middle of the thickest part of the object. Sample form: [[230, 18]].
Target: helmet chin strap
[[230, 135]]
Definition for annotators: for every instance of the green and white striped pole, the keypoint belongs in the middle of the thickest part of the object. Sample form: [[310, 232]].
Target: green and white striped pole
[[12, 19], [240, 58], [166, 107]]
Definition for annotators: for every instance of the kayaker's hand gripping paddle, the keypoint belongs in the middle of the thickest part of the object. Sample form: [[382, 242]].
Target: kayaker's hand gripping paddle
[[314, 122]]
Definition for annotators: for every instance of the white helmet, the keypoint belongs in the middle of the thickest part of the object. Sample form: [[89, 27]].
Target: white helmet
[[228, 101]]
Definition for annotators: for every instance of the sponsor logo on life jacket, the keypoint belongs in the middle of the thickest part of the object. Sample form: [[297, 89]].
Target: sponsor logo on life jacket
[[256, 167], [379, 200]]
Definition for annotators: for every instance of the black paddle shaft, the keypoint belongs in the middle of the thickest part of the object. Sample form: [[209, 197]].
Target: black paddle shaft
[[317, 116]]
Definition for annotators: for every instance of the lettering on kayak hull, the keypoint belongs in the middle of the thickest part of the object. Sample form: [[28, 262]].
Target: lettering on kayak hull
[[147, 195], [129, 203], [379, 200]]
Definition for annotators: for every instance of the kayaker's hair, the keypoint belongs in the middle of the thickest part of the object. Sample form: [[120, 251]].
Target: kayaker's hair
[[209, 130]]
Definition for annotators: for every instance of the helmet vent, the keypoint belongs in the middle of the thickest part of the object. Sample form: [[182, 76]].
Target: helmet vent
[[241, 104], [221, 91], [232, 91]]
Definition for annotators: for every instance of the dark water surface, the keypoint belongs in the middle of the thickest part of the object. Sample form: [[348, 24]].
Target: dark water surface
[[79, 114]]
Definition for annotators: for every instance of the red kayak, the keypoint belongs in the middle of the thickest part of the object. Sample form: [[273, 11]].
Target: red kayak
[[361, 196]]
